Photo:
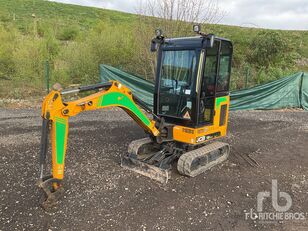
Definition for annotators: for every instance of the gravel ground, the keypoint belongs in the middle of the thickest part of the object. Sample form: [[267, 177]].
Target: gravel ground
[[100, 195]]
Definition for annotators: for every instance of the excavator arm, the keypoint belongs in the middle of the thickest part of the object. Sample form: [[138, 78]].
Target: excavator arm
[[56, 113]]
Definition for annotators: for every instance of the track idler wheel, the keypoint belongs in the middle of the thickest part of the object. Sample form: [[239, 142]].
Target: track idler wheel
[[52, 192]]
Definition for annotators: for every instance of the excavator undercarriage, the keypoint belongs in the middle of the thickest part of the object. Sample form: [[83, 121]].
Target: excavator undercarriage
[[154, 161]]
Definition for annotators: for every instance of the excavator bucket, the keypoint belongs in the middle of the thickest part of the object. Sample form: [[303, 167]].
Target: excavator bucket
[[50, 196]]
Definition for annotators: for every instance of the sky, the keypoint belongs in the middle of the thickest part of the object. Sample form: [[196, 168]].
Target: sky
[[273, 14]]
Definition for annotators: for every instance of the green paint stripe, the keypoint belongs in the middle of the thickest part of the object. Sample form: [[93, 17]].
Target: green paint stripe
[[60, 139], [120, 99], [220, 100], [61, 120], [99, 102]]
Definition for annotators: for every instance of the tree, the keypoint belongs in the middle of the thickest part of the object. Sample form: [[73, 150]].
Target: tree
[[175, 18]]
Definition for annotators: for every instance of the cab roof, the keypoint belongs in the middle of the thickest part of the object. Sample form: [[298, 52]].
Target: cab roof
[[195, 41]]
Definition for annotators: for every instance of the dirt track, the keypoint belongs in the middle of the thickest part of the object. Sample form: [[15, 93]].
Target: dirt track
[[101, 195]]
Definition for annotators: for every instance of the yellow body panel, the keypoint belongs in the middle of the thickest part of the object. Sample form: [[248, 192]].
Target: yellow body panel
[[202, 134]]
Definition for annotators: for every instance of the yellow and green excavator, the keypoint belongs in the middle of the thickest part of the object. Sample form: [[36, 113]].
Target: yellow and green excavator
[[191, 102]]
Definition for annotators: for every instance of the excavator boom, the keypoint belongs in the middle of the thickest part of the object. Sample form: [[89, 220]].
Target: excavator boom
[[56, 113]]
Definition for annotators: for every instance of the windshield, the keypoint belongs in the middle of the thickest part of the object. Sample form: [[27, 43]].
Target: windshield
[[176, 82]]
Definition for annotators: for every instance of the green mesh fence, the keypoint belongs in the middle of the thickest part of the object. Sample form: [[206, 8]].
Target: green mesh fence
[[287, 92]]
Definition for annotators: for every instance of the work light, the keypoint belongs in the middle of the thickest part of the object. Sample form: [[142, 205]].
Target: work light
[[158, 32], [197, 28]]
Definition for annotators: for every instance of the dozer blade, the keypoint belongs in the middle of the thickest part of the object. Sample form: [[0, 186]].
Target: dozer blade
[[199, 160], [151, 171], [139, 151]]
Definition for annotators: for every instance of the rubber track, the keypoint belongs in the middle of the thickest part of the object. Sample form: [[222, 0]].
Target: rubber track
[[134, 146], [185, 161]]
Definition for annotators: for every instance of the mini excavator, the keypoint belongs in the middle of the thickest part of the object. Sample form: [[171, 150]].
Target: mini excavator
[[191, 102]]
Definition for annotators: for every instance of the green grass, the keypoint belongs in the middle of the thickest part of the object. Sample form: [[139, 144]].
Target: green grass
[[64, 14]]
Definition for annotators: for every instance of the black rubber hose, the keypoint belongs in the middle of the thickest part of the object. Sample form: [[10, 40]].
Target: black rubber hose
[[44, 141], [95, 86]]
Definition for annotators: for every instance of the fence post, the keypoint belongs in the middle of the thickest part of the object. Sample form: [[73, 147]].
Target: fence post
[[247, 75], [47, 75]]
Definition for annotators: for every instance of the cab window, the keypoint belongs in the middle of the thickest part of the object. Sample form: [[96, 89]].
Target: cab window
[[176, 83], [223, 77], [206, 107]]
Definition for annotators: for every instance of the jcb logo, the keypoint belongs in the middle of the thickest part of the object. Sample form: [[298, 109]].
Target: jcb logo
[[275, 197]]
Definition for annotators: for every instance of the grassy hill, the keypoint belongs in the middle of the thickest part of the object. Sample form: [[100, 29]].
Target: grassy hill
[[86, 17], [76, 39], [64, 14]]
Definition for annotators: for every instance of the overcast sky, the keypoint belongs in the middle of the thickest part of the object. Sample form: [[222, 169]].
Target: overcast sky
[[275, 14]]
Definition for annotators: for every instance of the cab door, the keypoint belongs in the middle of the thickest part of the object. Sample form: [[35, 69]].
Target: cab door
[[176, 96], [208, 85]]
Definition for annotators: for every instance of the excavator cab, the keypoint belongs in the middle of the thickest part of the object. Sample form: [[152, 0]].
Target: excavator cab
[[191, 73], [191, 102]]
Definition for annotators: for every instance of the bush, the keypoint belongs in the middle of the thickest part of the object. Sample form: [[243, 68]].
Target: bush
[[268, 48], [5, 18], [75, 54], [68, 33], [7, 46]]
